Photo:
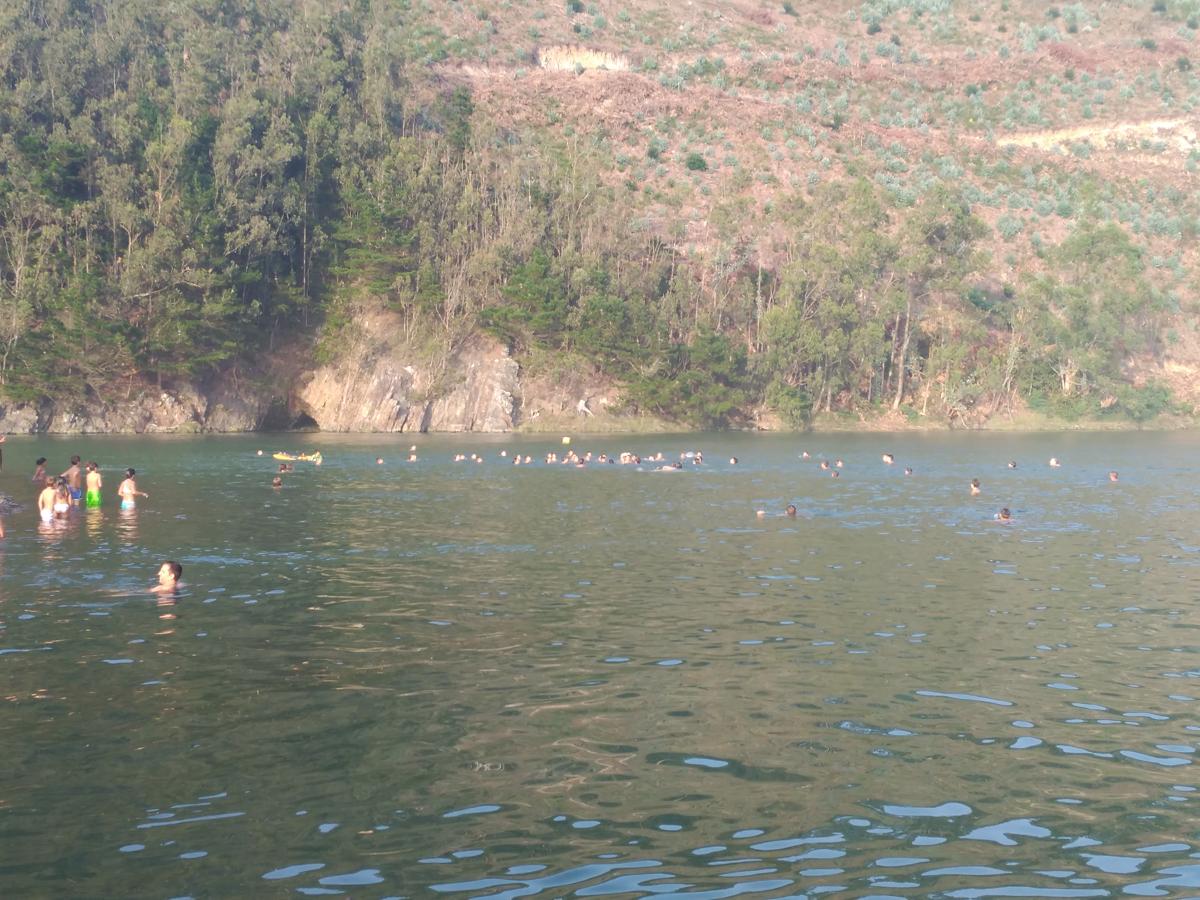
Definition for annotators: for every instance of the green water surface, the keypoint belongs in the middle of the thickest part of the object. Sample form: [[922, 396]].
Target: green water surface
[[461, 679]]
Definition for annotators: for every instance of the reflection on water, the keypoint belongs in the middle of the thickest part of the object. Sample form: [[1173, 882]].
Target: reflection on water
[[488, 680]]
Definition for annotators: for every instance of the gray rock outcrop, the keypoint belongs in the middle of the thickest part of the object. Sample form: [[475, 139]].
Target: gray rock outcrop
[[373, 387]]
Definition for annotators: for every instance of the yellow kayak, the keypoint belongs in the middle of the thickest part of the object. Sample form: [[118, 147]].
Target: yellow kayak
[[299, 457]]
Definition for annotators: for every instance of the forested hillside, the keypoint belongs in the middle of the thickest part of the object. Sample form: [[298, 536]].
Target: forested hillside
[[736, 212]]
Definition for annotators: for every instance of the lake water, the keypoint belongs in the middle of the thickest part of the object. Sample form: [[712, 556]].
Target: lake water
[[494, 681]]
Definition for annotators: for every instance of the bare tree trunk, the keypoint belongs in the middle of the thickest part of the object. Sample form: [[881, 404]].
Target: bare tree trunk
[[900, 362], [756, 344]]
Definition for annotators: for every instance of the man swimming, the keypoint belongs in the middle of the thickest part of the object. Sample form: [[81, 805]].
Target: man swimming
[[169, 575], [976, 490], [39, 473]]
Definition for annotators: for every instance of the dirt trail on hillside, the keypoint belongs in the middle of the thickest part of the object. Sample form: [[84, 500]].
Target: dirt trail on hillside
[[1178, 134]]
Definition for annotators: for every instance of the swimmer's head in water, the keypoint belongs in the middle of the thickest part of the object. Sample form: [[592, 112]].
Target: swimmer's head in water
[[169, 572], [1113, 476], [40, 461], [791, 510], [1004, 515], [276, 481]]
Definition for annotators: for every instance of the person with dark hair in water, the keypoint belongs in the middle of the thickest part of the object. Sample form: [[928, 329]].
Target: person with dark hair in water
[[169, 575], [128, 491], [74, 476]]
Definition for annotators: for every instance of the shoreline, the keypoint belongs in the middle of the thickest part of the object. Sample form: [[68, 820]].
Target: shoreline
[[833, 424]]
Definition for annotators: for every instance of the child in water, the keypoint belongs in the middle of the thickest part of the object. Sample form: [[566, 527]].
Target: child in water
[[128, 491], [94, 483]]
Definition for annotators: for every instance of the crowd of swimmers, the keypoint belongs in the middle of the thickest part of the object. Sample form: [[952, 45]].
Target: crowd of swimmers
[[569, 457], [660, 463], [81, 483], [975, 487]]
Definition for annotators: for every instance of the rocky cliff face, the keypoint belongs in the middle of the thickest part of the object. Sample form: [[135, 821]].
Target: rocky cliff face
[[178, 409], [373, 388], [374, 383]]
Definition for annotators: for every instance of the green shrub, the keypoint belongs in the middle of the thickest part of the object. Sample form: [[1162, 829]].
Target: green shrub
[[1144, 403], [1009, 226], [793, 404], [696, 163]]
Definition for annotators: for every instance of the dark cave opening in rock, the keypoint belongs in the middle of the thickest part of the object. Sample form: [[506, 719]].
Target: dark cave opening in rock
[[304, 422]]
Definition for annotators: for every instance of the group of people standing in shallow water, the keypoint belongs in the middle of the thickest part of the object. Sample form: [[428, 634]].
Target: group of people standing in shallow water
[[81, 485], [63, 493]]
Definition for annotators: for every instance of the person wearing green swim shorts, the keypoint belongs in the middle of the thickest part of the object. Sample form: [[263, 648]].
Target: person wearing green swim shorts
[[94, 483]]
